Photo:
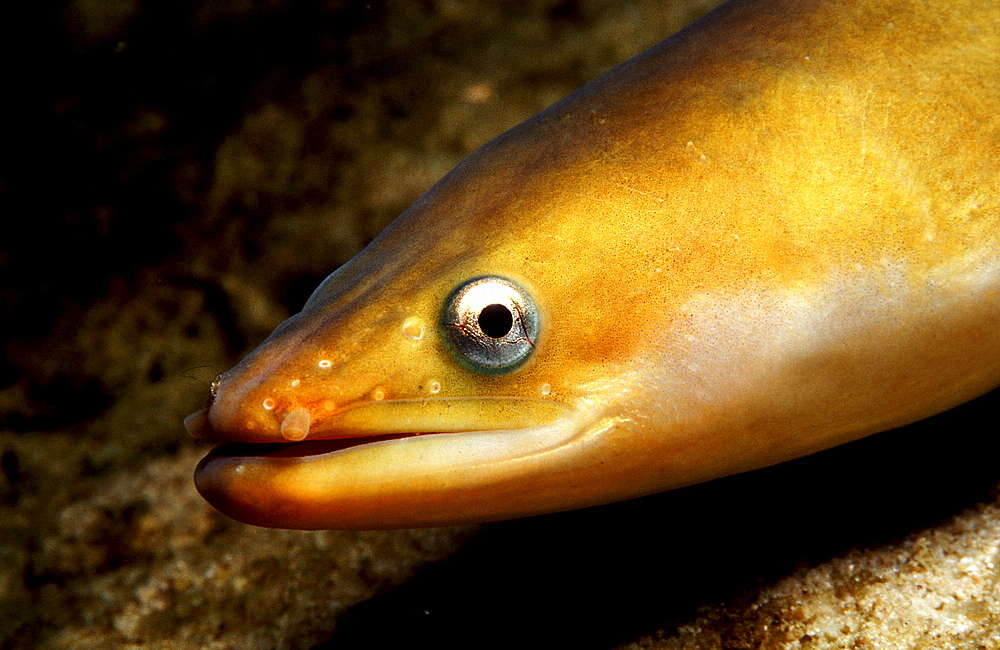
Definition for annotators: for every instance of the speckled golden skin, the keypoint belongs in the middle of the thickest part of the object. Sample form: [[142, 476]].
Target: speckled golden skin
[[773, 233]]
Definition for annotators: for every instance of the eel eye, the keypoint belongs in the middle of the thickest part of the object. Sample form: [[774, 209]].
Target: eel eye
[[491, 324]]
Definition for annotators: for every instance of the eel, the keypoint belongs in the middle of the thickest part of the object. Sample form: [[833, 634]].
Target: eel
[[775, 232]]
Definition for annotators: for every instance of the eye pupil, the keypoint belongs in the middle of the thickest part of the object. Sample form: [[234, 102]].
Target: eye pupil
[[495, 321], [490, 324]]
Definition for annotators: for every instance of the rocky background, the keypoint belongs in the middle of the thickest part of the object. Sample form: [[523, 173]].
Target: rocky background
[[177, 177]]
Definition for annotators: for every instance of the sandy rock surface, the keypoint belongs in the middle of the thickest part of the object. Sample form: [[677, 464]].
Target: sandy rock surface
[[192, 171]]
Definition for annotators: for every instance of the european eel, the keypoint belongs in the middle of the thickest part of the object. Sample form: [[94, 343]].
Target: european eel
[[773, 233]]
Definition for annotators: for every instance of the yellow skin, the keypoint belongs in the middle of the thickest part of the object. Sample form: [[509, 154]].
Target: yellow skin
[[773, 233]]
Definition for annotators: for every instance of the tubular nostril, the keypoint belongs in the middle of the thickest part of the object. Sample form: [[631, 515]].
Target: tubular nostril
[[197, 424], [295, 425]]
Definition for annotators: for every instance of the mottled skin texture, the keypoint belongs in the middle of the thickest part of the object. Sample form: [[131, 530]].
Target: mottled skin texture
[[773, 233]]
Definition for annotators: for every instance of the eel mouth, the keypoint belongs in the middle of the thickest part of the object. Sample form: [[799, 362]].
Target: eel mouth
[[297, 449], [395, 479]]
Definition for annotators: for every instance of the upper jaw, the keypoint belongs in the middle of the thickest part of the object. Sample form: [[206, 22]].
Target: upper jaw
[[367, 419]]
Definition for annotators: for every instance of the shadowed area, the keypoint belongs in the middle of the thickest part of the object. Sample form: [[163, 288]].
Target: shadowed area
[[599, 577]]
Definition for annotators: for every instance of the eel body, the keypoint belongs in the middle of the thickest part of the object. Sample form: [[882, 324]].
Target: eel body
[[775, 232]]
